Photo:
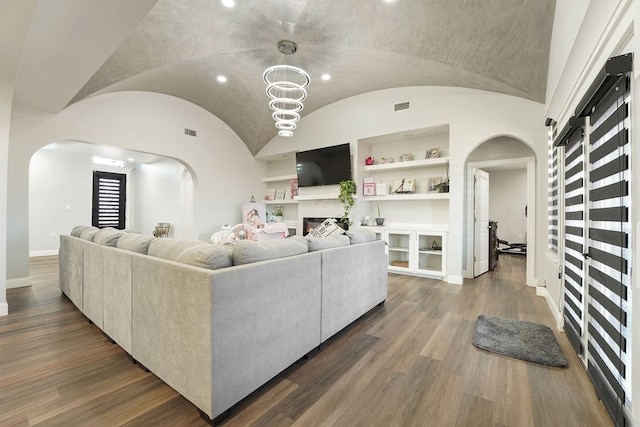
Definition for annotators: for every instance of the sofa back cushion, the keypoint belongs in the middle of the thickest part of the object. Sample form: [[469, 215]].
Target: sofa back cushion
[[361, 235], [135, 242], [169, 248], [332, 241], [89, 233], [78, 229], [206, 255], [248, 251], [108, 236]]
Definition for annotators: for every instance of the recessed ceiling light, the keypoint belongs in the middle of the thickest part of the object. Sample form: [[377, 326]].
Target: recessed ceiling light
[[130, 159], [228, 3], [325, 77], [222, 79]]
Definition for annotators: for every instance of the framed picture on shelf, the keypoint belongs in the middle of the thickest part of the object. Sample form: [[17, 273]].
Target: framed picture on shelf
[[432, 184], [280, 194], [271, 194], [432, 153]]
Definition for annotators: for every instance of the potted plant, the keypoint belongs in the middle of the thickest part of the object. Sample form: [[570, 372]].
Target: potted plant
[[346, 196], [379, 218], [443, 187], [278, 212]]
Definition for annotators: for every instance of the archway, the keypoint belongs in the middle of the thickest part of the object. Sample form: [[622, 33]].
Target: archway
[[507, 158], [159, 189]]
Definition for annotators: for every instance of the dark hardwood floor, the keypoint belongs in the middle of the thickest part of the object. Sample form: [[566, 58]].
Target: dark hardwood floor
[[408, 363]]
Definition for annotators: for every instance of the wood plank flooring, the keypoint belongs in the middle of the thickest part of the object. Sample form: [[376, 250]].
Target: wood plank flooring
[[408, 363]]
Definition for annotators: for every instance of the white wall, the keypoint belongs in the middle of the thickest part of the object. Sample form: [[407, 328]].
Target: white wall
[[141, 121], [473, 117], [57, 180], [15, 18], [158, 194], [507, 200]]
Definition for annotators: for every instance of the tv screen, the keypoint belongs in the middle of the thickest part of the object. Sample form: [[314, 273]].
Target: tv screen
[[323, 166]]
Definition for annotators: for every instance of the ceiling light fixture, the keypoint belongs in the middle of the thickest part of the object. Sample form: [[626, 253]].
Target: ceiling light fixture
[[228, 3], [325, 77], [221, 79], [286, 86]]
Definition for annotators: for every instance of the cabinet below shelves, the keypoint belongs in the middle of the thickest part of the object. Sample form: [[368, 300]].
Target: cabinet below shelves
[[415, 252]]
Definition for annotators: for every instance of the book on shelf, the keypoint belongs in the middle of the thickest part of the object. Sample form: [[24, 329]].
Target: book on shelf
[[368, 187], [293, 184]]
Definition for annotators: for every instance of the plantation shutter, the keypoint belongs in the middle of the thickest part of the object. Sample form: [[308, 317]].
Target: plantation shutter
[[572, 138], [608, 243], [109, 198]]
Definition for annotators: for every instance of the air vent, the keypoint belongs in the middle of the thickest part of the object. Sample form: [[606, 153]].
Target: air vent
[[190, 132], [402, 106]]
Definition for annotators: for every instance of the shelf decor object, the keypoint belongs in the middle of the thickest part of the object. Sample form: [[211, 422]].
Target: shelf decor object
[[286, 87]]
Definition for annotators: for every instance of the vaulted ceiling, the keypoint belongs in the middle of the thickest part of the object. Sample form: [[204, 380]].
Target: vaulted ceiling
[[179, 47]]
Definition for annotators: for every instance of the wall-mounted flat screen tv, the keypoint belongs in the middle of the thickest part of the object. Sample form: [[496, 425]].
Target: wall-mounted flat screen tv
[[323, 166]]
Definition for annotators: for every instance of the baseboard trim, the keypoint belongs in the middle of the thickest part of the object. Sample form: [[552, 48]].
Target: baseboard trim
[[22, 282], [541, 291], [455, 280], [4, 309], [49, 252]]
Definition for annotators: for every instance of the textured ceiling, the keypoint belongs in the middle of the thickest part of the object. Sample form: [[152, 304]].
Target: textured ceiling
[[180, 46]]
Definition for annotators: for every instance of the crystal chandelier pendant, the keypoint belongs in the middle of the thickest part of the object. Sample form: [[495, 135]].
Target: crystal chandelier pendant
[[286, 87]]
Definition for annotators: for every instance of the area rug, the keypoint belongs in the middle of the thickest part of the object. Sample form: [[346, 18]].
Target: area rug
[[519, 339]]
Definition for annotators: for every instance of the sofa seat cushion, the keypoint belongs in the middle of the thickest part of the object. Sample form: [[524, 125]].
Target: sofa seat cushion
[[361, 235], [332, 241], [78, 229], [206, 255], [135, 242], [108, 236], [169, 248], [248, 251], [89, 233]]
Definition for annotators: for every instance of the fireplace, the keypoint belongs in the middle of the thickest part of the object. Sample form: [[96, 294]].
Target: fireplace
[[309, 223]]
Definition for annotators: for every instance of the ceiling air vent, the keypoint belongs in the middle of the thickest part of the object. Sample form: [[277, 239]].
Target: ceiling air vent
[[402, 106], [190, 132]]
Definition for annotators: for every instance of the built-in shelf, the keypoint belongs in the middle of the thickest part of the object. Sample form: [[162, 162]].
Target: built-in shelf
[[406, 197], [317, 197], [279, 178], [280, 202], [407, 165]]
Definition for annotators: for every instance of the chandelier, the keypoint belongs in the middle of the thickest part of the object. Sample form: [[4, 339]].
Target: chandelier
[[286, 87]]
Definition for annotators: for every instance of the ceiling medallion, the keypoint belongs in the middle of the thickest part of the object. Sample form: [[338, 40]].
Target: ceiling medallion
[[286, 87]]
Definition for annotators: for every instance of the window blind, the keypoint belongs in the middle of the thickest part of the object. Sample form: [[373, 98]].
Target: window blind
[[573, 247], [609, 236], [109, 199]]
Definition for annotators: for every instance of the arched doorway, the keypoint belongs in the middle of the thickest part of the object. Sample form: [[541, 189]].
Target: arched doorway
[[512, 164]]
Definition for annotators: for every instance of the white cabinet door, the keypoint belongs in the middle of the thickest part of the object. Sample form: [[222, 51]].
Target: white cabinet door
[[481, 224], [430, 253], [399, 250]]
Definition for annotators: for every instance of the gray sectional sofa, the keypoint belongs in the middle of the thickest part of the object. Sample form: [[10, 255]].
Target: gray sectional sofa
[[217, 322]]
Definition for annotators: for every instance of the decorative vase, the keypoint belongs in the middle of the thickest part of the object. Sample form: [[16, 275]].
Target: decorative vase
[[445, 188], [380, 221]]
